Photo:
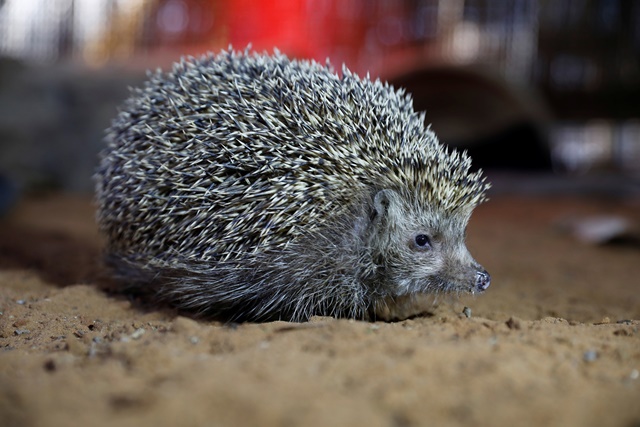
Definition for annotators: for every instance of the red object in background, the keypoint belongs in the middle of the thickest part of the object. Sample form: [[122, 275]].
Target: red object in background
[[301, 28], [353, 32], [289, 25]]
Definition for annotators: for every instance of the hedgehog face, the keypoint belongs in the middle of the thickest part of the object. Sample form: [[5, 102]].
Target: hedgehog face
[[422, 249]]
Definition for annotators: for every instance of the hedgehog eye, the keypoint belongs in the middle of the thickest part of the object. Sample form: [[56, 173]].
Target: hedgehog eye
[[422, 241]]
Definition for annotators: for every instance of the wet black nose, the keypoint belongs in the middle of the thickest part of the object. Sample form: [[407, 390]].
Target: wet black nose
[[483, 280]]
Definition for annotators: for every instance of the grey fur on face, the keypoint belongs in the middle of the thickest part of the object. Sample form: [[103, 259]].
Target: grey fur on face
[[254, 187]]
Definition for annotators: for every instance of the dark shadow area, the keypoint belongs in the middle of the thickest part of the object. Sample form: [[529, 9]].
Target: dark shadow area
[[56, 257], [62, 260], [477, 111], [517, 147], [627, 242]]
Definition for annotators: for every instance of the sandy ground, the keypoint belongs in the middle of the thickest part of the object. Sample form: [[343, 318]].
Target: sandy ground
[[554, 342]]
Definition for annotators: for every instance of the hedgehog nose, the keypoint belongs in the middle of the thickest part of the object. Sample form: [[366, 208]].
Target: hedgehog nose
[[483, 280]]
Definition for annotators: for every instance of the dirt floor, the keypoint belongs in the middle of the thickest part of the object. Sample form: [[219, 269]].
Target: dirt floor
[[555, 341]]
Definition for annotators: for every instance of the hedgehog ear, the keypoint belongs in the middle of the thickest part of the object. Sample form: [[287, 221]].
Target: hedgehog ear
[[384, 202]]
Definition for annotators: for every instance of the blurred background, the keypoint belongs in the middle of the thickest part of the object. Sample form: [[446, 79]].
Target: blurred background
[[544, 94]]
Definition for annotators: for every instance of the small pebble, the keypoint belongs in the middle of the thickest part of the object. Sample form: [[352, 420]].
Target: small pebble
[[137, 333], [513, 323], [466, 311], [590, 356], [49, 365]]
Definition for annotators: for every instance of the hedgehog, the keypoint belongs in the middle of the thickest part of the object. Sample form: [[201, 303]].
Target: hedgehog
[[253, 187]]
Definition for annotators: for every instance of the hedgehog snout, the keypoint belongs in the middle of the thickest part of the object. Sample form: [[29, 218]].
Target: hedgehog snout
[[483, 280]]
